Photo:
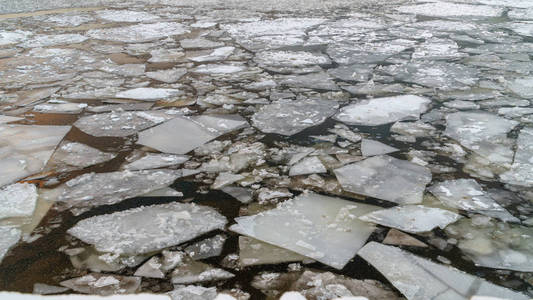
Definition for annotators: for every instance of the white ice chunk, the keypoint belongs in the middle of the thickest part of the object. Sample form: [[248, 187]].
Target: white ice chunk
[[421, 279], [288, 117], [521, 172], [168, 76], [447, 9], [383, 110], [308, 165], [103, 284], [147, 228], [156, 160], [18, 200], [385, 178], [372, 148], [149, 94], [412, 218], [183, 134], [18, 296], [25, 149], [482, 132], [10, 237], [126, 16], [322, 228], [120, 124], [80, 155]]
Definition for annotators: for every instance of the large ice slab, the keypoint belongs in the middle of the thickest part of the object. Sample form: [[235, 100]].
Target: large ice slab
[[288, 117], [421, 279], [412, 218], [155, 161], [120, 124], [80, 155], [253, 252], [447, 9], [10, 237], [482, 132], [126, 16], [138, 33], [322, 228], [493, 244], [468, 195], [94, 189], [18, 200], [183, 134], [383, 110], [385, 178], [147, 228], [25, 149], [372, 148], [308, 165], [149, 94], [521, 172], [291, 62]]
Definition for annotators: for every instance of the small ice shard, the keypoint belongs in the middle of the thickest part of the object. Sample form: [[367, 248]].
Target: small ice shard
[[147, 228], [10, 237], [381, 111], [80, 155], [45, 289], [483, 133], [139, 33], [521, 172], [190, 271], [223, 179], [323, 228], [168, 76], [125, 16], [103, 284], [317, 81], [7, 119], [396, 237], [206, 248], [190, 132], [120, 124], [468, 195], [94, 189], [412, 218], [421, 279], [308, 165], [156, 161], [291, 62], [18, 200], [192, 292], [373, 148], [25, 149], [254, 252], [149, 94], [385, 178], [289, 117], [447, 9], [244, 195], [493, 244]]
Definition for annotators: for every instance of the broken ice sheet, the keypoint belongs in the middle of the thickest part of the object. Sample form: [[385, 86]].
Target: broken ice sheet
[[385, 178], [467, 194], [447, 9], [147, 228], [522, 87], [126, 16], [190, 271], [94, 189], [322, 228], [206, 248], [26, 149], [190, 132], [345, 53], [103, 284], [155, 161], [60, 108], [381, 111], [149, 94], [18, 201], [139, 33], [291, 62], [288, 117], [79, 155], [168, 76], [494, 244], [318, 81], [254, 252], [482, 132], [53, 40], [120, 124], [308, 165], [193, 292], [372, 148], [421, 279], [412, 218], [521, 172]]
